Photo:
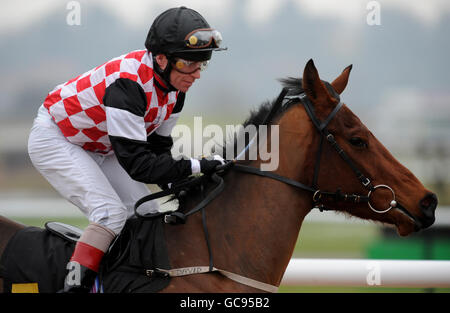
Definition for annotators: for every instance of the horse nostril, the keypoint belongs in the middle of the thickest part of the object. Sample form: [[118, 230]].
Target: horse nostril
[[428, 205]]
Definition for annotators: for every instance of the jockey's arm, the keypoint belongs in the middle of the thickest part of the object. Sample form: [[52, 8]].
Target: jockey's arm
[[144, 161]]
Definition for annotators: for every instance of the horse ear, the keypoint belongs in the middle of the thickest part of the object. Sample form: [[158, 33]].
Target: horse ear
[[313, 86], [341, 81]]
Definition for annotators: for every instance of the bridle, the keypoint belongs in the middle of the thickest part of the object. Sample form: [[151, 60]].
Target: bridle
[[318, 195], [321, 126], [176, 217]]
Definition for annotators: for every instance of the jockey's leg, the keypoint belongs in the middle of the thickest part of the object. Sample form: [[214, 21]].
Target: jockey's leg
[[128, 190], [84, 263], [77, 176]]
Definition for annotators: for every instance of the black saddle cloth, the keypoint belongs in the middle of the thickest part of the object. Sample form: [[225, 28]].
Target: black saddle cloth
[[35, 255]]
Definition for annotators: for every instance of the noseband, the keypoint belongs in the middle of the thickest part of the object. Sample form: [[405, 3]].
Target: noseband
[[321, 126]]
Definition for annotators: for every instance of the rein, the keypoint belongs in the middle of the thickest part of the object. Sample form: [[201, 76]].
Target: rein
[[180, 189], [321, 127], [180, 218]]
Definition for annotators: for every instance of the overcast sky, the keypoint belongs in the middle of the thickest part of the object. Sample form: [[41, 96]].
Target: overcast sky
[[18, 15]]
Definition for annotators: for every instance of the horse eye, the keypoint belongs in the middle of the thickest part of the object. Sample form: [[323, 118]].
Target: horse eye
[[358, 142]]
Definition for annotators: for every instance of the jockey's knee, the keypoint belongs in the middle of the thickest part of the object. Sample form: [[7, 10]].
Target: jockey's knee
[[112, 218]]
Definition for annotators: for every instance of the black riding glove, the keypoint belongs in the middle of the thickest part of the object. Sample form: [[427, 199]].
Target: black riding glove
[[207, 167]]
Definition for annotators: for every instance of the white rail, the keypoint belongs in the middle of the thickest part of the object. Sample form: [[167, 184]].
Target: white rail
[[364, 273]]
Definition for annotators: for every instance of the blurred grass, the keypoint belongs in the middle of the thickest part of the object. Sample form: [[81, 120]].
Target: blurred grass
[[338, 240], [40, 221], [316, 240]]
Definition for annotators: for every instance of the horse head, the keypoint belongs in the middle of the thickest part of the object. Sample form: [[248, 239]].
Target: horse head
[[394, 195]]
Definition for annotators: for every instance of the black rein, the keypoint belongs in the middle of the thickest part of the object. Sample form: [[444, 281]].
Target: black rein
[[318, 195], [282, 100]]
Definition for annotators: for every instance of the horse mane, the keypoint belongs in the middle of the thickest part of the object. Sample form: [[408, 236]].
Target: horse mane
[[257, 118], [258, 115]]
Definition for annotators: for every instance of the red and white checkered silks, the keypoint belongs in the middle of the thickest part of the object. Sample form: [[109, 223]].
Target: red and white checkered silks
[[77, 105]]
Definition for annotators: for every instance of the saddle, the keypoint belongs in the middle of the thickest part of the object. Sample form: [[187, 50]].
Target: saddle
[[36, 255], [65, 231], [137, 260]]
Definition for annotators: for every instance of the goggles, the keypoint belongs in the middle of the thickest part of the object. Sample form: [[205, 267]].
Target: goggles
[[190, 67], [202, 38]]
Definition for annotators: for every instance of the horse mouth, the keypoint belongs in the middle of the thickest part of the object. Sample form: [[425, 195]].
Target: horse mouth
[[407, 224]]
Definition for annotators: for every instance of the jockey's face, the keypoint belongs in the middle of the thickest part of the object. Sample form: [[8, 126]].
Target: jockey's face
[[183, 81], [180, 79]]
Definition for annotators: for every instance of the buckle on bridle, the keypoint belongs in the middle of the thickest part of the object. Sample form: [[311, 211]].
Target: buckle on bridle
[[317, 195], [330, 138], [175, 218], [156, 272], [365, 181]]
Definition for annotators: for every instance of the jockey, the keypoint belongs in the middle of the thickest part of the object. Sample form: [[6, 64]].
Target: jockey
[[101, 137]]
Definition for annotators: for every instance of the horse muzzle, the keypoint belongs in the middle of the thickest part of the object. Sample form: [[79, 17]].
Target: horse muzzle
[[428, 206]]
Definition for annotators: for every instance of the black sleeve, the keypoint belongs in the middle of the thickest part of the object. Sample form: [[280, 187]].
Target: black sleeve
[[139, 159], [126, 95], [160, 144]]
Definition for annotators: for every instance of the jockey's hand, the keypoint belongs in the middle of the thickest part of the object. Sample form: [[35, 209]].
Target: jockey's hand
[[208, 166]]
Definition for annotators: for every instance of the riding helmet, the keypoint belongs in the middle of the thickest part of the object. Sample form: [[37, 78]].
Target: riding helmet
[[169, 31]]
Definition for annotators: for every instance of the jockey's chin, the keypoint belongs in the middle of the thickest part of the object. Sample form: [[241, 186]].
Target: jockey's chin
[[184, 87], [183, 81]]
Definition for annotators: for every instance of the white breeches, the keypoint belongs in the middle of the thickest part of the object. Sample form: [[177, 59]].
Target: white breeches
[[95, 183]]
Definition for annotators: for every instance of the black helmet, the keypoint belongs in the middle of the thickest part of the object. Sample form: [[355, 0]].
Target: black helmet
[[183, 32]]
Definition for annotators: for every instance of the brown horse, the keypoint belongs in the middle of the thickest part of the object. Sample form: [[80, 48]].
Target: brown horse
[[254, 223]]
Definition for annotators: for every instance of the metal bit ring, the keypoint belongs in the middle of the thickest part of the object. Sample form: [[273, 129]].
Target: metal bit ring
[[393, 203]]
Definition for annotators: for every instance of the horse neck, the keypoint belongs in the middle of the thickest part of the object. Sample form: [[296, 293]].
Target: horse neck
[[256, 220], [7, 229]]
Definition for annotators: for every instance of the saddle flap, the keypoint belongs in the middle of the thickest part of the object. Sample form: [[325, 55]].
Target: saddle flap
[[68, 232]]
